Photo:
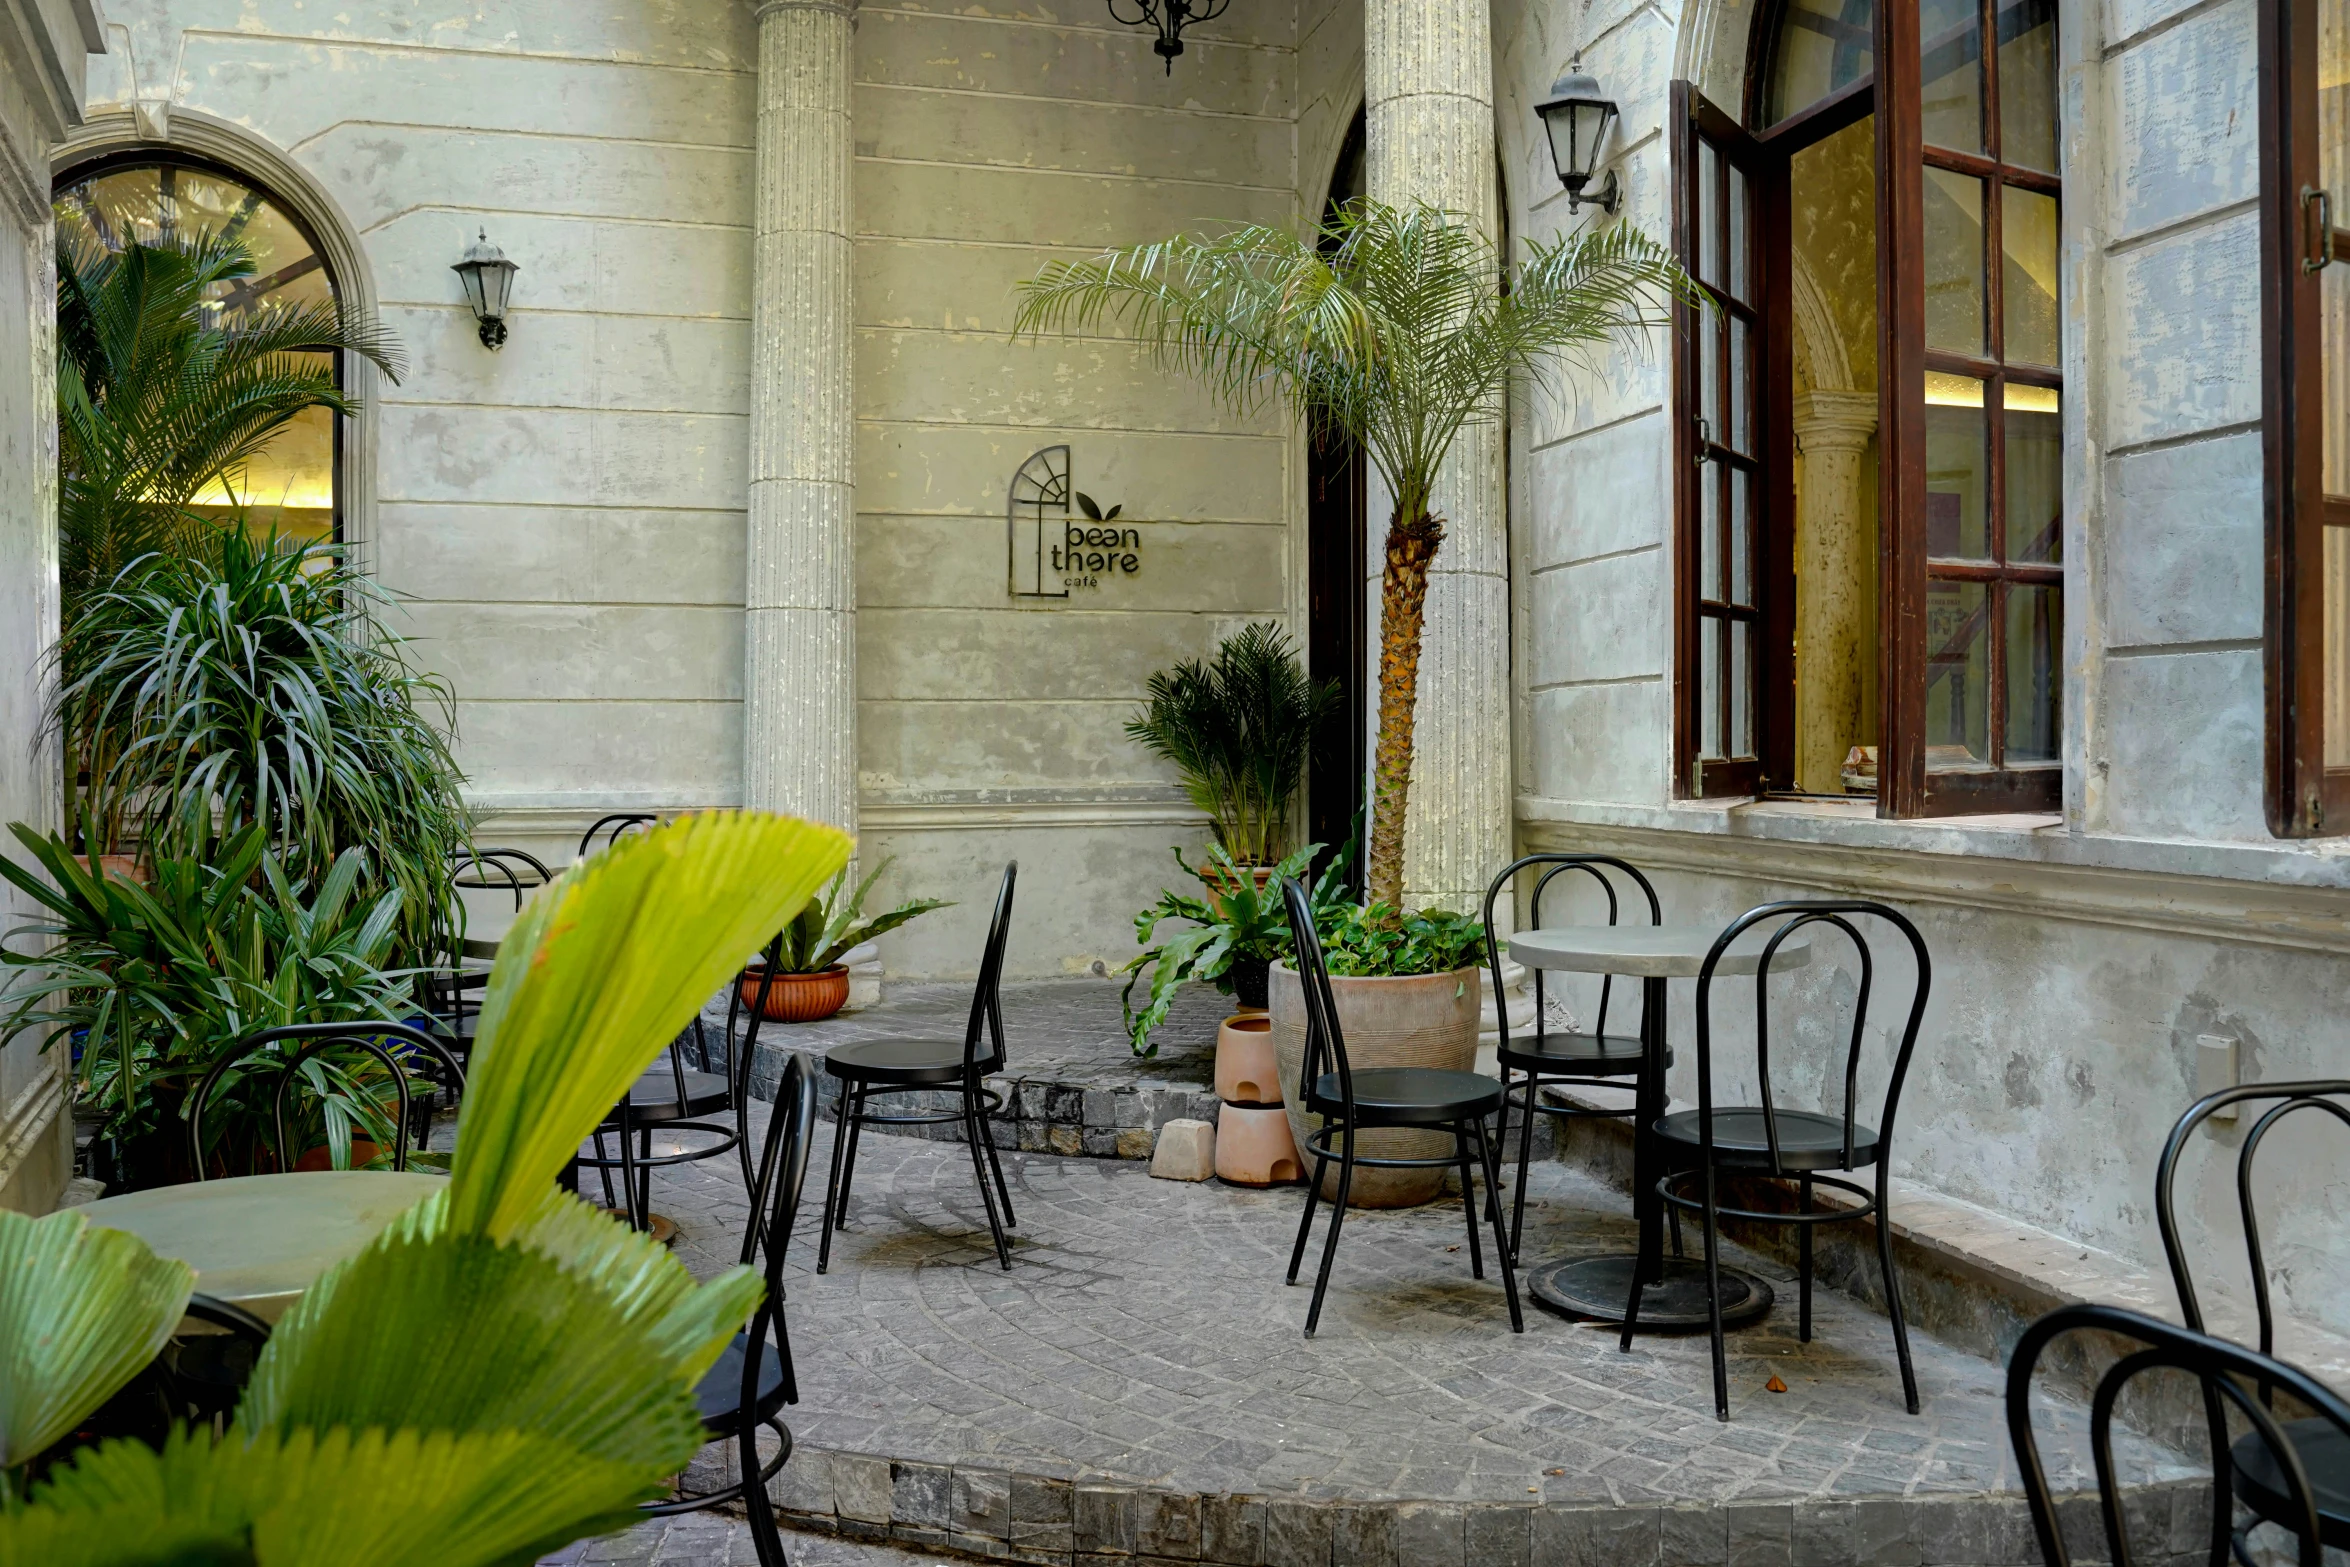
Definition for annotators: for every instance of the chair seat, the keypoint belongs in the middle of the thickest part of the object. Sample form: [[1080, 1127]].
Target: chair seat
[[719, 1394], [2325, 1457], [905, 1063], [1596, 1055], [654, 1098], [1411, 1095], [1807, 1139]]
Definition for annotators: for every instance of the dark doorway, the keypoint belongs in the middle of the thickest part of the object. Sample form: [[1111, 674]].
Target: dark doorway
[[1337, 592]]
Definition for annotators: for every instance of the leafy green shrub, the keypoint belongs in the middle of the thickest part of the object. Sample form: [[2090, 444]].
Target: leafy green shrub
[[831, 925]]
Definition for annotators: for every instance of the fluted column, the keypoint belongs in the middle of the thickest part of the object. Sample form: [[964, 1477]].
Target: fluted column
[[800, 607], [1428, 111], [1834, 582]]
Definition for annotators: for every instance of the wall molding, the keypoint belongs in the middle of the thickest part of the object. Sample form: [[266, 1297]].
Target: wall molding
[[2248, 895], [31, 1117], [548, 815], [160, 128]]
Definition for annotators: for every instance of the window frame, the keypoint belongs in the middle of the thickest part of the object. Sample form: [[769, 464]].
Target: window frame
[[122, 159], [2303, 798]]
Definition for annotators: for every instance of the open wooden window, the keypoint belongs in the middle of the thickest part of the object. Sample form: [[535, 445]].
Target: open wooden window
[[2305, 303], [1894, 492]]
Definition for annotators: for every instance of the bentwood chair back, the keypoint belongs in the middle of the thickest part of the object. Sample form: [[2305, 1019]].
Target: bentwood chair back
[[417, 1052], [2251, 1475], [2226, 1370]]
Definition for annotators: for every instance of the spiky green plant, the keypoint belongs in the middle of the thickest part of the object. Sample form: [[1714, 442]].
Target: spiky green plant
[[1387, 326], [833, 923], [559, 1350], [1239, 728]]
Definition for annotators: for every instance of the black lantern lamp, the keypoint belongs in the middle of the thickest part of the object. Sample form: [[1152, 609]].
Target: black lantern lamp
[[489, 281], [1170, 17], [1577, 115]]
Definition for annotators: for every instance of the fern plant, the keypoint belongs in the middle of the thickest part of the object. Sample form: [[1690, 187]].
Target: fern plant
[[1386, 326]]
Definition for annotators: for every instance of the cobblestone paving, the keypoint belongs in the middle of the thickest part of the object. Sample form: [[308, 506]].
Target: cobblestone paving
[[709, 1540], [1144, 1339]]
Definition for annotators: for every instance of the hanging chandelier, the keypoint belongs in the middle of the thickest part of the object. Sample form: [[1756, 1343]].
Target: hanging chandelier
[[1170, 17]]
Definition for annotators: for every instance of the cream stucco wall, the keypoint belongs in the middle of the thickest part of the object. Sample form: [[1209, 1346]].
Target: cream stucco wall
[[42, 52]]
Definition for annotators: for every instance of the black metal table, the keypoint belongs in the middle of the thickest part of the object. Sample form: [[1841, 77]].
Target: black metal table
[[1597, 1288]]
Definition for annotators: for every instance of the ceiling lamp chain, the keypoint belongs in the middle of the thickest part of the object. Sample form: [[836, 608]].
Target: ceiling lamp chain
[[1170, 17]]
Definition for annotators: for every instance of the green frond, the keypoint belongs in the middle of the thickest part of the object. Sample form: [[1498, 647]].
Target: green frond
[[82, 1311]]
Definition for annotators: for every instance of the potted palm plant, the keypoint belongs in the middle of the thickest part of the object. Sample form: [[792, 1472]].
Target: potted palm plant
[[1388, 326], [1239, 728], [810, 982]]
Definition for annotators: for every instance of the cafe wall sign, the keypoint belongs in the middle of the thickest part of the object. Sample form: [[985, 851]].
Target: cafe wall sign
[[1059, 541]]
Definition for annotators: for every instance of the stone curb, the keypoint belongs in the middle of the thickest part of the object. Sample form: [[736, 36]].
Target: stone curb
[[1001, 1515]]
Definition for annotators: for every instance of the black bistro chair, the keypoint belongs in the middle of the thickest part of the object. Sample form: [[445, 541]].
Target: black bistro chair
[[195, 1379], [611, 829], [2224, 1368], [403, 1051], [1560, 1057], [748, 1386], [1810, 1147], [1425, 1098], [874, 1067], [2252, 1472], [514, 871]]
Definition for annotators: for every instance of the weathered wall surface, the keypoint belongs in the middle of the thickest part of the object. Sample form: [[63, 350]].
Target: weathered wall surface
[[2076, 961], [568, 514], [37, 106]]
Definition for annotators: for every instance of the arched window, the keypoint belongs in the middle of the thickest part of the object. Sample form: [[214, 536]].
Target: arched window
[[1870, 417], [145, 197]]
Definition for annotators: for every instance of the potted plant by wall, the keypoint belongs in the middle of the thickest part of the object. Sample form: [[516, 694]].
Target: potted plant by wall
[[810, 982], [1239, 727], [1232, 935], [1386, 325]]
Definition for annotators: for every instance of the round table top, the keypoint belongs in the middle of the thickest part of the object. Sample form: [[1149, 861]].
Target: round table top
[[259, 1241], [1651, 951]]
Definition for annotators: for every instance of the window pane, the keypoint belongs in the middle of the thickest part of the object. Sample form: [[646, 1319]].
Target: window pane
[[2035, 637], [1958, 675], [1741, 689], [1950, 51], [1741, 388], [2333, 163], [1709, 214], [2027, 234], [2035, 475], [1739, 240], [1741, 531], [1709, 376], [1709, 696], [1823, 46], [1958, 469], [2337, 655], [1709, 576], [1954, 262], [2027, 84]]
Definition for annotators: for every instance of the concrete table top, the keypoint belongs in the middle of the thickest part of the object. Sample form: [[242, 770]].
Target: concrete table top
[[1651, 951], [259, 1241]]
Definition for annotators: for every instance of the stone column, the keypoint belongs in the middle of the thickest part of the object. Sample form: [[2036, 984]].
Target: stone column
[[1428, 111], [800, 606], [1835, 583]]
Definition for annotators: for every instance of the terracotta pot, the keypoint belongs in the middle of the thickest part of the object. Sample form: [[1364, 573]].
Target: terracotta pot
[[1254, 1148], [799, 998], [1246, 1073], [322, 1157], [116, 864], [1419, 1020], [1214, 878]]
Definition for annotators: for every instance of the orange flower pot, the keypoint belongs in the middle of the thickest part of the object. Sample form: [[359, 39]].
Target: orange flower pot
[[1247, 1072], [798, 998], [1254, 1148]]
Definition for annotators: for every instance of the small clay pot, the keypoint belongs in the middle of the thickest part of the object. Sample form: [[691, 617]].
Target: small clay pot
[[1253, 1146], [1217, 882], [1246, 1070], [322, 1157], [798, 998]]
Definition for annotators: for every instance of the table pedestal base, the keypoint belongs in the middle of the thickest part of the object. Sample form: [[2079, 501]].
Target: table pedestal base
[[1595, 1288]]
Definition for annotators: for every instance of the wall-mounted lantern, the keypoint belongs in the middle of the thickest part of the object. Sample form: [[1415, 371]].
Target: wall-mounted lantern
[[1170, 17], [1577, 115], [489, 281]]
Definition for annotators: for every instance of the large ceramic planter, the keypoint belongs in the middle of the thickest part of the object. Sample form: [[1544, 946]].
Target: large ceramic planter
[[798, 998], [1423, 1020]]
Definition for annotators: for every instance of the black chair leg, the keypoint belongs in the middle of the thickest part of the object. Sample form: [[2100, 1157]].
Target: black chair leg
[[1713, 1300], [1909, 1376], [1525, 1158], [974, 1134], [840, 1145], [1460, 1148], [995, 1162], [1803, 1266], [1346, 1179], [644, 1179], [766, 1539], [1490, 1157], [848, 1164], [1641, 1266], [1305, 1225], [604, 1171]]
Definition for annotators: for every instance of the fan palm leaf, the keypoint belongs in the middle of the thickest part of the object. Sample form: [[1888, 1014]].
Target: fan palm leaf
[[82, 1311], [1388, 326]]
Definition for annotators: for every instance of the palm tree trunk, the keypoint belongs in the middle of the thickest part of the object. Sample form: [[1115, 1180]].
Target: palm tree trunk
[[1412, 539]]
